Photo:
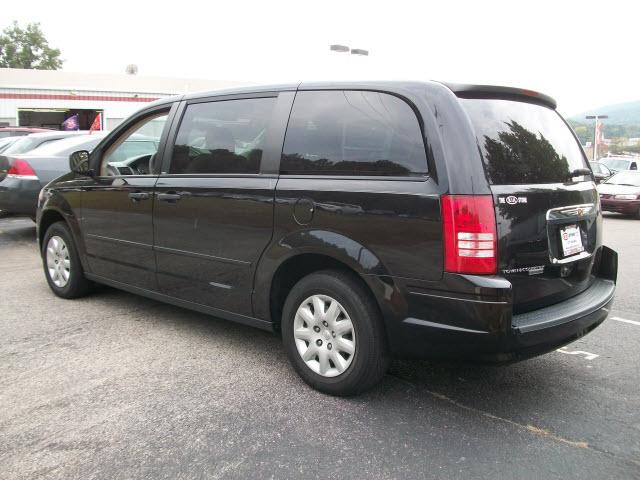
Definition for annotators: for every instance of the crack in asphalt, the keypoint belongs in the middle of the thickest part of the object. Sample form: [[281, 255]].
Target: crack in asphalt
[[541, 432]]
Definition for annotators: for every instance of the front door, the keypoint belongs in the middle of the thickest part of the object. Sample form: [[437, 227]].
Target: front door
[[213, 214], [117, 207]]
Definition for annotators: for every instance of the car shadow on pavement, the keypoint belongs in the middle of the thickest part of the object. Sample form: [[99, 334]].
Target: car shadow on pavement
[[521, 390], [515, 390]]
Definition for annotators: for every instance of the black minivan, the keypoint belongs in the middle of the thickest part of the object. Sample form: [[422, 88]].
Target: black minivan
[[362, 221]]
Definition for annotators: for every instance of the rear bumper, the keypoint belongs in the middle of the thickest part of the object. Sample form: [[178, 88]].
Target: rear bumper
[[539, 331], [19, 196], [464, 327]]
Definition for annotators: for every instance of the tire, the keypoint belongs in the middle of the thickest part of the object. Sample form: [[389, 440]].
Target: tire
[[74, 284], [354, 373]]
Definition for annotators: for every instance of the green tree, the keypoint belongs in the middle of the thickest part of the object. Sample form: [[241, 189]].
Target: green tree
[[27, 48]]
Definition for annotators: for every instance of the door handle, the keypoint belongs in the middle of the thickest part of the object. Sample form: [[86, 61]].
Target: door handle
[[137, 196], [169, 197]]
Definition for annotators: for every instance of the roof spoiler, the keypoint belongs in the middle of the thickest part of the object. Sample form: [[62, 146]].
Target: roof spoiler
[[494, 91]]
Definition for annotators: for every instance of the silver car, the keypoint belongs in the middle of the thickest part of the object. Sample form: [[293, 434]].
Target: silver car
[[23, 175], [30, 142], [6, 142]]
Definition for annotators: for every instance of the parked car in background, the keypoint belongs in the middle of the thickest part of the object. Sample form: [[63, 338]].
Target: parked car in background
[[21, 131], [617, 164], [600, 171], [621, 193], [6, 142], [22, 176], [35, 140], [349, 218]]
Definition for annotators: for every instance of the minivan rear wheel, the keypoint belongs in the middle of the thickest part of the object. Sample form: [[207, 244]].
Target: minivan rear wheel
[[62, 267], [333, 333]]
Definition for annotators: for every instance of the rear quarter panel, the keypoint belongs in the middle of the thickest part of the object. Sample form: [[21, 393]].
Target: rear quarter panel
[[48, 168]]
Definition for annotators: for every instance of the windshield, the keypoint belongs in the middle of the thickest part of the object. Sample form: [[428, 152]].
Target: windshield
[[616, 163], [625, 178], [67, 146], [523, 143]]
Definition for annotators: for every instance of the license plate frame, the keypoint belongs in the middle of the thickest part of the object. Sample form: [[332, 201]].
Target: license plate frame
[[571, 240]]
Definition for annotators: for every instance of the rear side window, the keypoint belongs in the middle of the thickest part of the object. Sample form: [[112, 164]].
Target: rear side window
[[353, 133], [523, 143], [222, 137]]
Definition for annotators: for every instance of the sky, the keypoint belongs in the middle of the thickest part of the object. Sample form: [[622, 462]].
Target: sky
[[584, 54]]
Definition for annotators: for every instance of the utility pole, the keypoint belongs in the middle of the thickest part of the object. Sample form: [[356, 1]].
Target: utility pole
[[595, 133]]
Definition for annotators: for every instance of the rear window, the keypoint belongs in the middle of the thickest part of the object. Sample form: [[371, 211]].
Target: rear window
[[353, 133], [523, 143], [616, 163], [68, 145], [23, 145]]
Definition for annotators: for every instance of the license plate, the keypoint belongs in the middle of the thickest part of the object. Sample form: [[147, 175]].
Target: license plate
[[571, 240]]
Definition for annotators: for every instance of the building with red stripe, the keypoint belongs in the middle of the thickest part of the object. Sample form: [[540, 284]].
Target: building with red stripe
[[45, 98]]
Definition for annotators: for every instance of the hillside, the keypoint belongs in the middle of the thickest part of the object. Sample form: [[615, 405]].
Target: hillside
[[627, 113], [623, 121]]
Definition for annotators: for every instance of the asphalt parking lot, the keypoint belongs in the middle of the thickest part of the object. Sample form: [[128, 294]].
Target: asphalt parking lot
[[116, 386]]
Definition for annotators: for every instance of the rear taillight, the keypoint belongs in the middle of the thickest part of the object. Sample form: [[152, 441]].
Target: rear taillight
[[21, 169], [469, 233]]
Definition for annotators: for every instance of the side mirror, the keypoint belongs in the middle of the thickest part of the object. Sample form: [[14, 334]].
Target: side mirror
[[79, 162]]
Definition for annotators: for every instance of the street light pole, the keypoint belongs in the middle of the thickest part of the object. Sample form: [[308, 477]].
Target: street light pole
[[344, 48], [595, 133]]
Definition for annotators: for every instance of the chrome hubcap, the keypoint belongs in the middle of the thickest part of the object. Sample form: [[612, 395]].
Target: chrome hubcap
[[324, 335], [58, 262]]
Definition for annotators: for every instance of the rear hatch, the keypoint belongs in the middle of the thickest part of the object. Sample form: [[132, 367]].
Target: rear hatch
[[547, 211]]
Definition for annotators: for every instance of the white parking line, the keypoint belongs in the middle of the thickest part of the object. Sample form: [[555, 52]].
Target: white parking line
[[587, 355], [632, 322]]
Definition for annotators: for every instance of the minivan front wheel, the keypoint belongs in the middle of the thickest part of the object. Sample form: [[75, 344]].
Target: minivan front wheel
[[333, 333], [62, 266]]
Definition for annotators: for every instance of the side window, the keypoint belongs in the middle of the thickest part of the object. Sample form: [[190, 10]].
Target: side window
[[226, 136], [134, 152], [634, 166], [353, 133]]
